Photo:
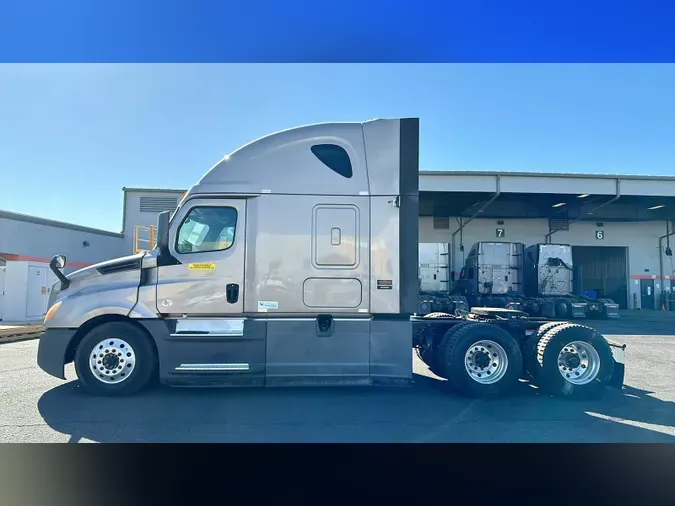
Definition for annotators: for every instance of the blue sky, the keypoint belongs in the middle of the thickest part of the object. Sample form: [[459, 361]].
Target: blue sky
[[71, 136]]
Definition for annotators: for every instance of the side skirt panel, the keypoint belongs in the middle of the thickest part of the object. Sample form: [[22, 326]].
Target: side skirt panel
[[210, 352], [241, 352]]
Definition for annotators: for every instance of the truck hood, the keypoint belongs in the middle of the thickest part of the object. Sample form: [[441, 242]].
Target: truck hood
[[91, 275], [131, 262]]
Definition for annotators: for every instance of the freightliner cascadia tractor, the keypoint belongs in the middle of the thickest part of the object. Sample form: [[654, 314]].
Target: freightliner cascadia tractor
[[294, 261]]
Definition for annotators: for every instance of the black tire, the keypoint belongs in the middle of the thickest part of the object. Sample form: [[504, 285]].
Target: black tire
[[530, 351], [455, 345], [549, 377], [499, 301], [563, 309], [430, 356], [144, 367]]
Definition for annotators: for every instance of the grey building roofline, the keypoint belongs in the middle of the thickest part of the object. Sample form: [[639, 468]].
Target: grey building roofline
[[153, 190], [544, 174], [57, 224]]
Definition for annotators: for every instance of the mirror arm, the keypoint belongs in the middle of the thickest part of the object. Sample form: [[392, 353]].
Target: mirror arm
[[56, 269]]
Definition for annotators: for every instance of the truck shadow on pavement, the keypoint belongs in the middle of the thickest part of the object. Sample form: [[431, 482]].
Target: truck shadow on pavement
[[425, 412]]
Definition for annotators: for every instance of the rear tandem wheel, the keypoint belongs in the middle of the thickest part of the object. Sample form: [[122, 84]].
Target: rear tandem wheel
[[429, 354], [480, 360], [573, 360], [530, 351]]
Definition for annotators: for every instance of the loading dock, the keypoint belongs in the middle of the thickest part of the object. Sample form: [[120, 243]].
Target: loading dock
[[602, 270], [615, 224]]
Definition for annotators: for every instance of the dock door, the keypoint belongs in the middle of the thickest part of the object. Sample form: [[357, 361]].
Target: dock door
[[602, 270]]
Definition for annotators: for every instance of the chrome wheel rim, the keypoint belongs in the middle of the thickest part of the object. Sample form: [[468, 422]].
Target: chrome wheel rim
[[579, 362], [112, 361], [486, 362]]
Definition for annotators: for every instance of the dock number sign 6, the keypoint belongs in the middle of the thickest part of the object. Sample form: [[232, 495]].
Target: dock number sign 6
[[599, 235], [501, 232]]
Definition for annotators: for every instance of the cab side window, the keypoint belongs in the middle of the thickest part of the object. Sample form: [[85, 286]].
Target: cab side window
[[207, 228]]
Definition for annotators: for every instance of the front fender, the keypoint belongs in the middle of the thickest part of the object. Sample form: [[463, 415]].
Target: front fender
[[114, 295]]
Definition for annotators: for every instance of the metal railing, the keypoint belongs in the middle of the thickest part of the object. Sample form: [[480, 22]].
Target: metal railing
[[149, 238]]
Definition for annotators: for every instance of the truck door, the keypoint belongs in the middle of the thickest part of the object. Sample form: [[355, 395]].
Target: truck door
[[207, 238]]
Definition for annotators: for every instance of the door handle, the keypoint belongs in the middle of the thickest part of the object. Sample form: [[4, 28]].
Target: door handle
[[232, 292]]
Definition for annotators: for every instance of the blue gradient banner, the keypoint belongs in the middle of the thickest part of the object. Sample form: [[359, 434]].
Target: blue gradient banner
[[346, 31]]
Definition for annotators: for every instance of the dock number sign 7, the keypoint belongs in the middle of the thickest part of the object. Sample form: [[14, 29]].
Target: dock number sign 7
[[501, 232], [599, 235]]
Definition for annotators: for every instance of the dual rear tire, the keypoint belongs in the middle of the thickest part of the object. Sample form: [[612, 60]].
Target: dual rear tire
[[563, 359], [479, 360], [569, 360]]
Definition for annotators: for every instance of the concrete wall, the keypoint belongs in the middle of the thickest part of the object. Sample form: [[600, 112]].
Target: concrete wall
[[642, 240], [25, 240], [133, 215]]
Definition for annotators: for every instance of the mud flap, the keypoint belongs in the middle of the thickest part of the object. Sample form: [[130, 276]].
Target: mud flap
[[618, 354], [612, 310], [578, 310]]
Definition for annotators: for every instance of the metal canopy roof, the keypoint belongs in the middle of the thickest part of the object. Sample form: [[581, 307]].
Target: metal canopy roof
[[584, 197]]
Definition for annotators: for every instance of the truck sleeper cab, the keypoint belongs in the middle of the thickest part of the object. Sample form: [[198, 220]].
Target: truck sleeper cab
[[294, 261]]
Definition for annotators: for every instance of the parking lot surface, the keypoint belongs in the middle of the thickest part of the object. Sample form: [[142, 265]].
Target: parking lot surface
[[39, 408]]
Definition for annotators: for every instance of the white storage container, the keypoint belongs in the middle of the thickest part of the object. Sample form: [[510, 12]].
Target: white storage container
[[26, 291]]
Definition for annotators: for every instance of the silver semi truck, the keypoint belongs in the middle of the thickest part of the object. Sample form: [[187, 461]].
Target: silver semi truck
[[294, 261], [437, 291], [549, 274]]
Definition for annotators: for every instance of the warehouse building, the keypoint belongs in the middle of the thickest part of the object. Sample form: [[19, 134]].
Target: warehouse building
[[27, 243], [616, 225], [139, 216]]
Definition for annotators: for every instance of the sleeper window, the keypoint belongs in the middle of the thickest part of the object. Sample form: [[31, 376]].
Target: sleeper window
[[207, 229]]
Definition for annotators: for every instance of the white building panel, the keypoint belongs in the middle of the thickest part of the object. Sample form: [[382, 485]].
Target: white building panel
[[572, 184], [141, 207], [557, 185], [27, 238], [648, 187], [452, 182], [27, 288]]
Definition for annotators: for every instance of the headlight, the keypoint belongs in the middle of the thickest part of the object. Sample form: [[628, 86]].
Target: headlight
[[51, 312]]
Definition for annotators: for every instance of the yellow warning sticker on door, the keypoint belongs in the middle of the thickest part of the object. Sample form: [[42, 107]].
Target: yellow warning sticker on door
[[202, 267]]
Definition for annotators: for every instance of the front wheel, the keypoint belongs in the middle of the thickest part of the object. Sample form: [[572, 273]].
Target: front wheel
[[480, 360], [115, 359]]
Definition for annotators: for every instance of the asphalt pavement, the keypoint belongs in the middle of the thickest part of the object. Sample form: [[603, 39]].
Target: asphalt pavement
[[39, 408]]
